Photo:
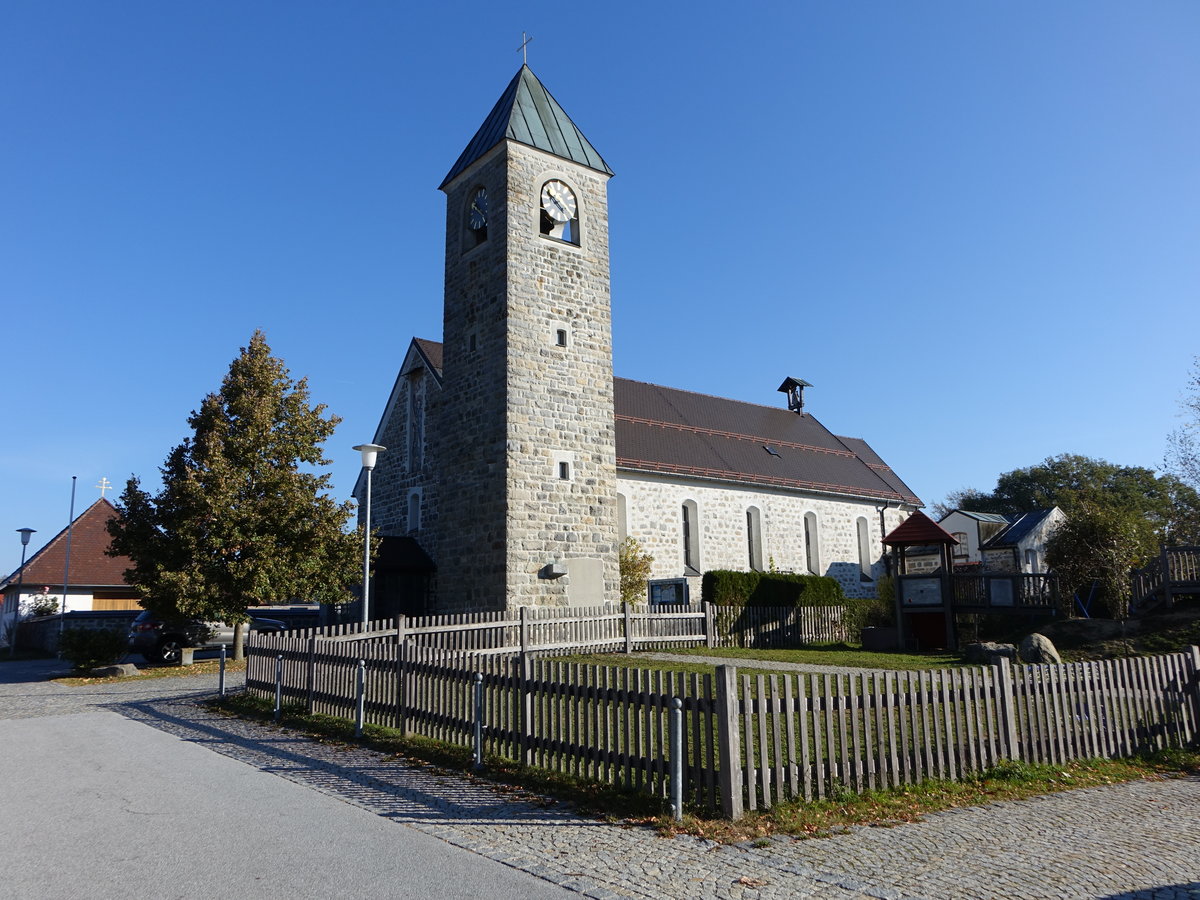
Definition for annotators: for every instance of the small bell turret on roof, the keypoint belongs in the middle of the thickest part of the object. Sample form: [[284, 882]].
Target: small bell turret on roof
[[794, 388]]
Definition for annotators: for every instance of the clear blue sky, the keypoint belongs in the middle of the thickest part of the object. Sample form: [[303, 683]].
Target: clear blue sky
[[974, 227]]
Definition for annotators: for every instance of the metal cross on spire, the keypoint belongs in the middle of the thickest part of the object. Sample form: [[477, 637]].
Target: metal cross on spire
[[524, 44], [104, 485]]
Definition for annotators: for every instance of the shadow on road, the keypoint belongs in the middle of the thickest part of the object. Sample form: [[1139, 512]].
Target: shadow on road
[[390, 787]]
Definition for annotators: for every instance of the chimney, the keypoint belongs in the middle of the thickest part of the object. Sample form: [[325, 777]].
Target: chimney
[[794, 388]]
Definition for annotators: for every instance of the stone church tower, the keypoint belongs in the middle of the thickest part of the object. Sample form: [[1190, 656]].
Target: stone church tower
[[522, 434]]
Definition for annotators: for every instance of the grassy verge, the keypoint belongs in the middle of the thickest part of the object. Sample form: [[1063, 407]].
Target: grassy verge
[[203, 667], [829, 655], [1008, 781]]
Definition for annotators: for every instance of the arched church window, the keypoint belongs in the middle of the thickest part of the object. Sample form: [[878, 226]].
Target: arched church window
[[414, 511], [559, 212], [754, 542], [812, 548], [864, 548], [691, 537], [477, 216]]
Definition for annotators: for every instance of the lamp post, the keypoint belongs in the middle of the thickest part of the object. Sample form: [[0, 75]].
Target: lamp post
[[12, 634], [369, 452]]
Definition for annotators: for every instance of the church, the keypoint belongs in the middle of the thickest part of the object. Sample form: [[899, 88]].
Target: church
[[516, 463]]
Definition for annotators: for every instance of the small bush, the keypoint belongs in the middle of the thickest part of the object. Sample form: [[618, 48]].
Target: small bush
[[88, 648], [728, 588]]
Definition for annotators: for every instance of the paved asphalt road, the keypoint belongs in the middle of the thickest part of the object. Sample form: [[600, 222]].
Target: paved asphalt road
[[131, 788]]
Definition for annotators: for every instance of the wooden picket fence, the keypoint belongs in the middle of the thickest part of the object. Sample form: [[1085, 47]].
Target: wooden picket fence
[[750, 741], [600, 629]]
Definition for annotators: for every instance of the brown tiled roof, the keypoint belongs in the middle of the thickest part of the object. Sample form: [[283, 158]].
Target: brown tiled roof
[[432, 351], [661, 429], [90, 565], [667, 430], [919, 529]]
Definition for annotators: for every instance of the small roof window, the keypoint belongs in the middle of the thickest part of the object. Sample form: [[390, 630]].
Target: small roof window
[[771, 450]]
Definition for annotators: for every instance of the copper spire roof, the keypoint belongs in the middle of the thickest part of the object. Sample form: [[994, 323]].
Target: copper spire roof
[[527, 114]]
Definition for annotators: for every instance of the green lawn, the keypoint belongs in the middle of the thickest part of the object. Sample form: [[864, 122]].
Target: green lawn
[[831, 655]]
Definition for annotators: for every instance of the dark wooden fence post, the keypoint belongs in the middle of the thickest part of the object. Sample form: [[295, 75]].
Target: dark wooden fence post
[[402, 679], [312, 672], [524, 612], [729, 745], [710, 625], [524, 696], [1193, 657]]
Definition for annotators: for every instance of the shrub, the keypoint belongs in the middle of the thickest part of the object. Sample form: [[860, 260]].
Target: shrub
[[634, 564], [42, 605], [89, 648], [728, 588], [875, 612]]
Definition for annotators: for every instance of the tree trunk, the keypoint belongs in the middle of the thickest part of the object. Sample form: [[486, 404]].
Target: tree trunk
[[239, 640]]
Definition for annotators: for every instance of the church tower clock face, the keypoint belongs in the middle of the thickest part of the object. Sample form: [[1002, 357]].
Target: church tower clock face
[[477, 216], [559, 201]]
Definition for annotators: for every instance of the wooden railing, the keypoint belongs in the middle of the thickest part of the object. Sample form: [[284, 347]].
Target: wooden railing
[[1176, 570], [1018, 592], [749, 741], [551, 630]]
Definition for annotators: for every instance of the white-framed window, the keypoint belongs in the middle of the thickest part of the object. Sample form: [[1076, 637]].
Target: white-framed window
[[690, 521], [961, 549], [812, 544], [563, 465], [754, 541]]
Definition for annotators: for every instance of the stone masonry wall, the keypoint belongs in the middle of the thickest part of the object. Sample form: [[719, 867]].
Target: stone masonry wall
[[516, 405], [654, 517]]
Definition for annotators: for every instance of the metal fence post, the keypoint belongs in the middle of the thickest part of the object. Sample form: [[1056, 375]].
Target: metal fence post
[[221, 675], [312, 673], [360, 698], [278, 686], [677, 758], [729, 744], [478, 720]]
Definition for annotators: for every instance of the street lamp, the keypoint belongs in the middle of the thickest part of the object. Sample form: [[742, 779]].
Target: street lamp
[[12, 634], [369, 452]]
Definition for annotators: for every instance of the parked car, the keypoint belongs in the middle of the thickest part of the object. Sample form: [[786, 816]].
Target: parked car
[[161, 640]]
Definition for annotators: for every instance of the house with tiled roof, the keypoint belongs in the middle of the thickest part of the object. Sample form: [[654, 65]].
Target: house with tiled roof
[[96, 581], [994, 543], [516, 462]]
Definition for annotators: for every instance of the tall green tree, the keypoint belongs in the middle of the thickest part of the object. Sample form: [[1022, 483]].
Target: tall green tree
[[242, 518], [1183, 444], [1101, 544], [1078, 483]]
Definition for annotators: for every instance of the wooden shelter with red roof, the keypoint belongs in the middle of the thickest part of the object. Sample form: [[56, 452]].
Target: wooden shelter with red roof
[[927, 602]]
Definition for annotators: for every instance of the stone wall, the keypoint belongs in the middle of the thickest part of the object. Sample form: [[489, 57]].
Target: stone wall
[[653, 510], [514, 404]]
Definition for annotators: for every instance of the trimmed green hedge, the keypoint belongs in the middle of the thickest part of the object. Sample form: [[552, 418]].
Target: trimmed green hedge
[[728, 588]]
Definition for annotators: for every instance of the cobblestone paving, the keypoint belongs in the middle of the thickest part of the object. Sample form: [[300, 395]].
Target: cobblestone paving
[[1133, 842]]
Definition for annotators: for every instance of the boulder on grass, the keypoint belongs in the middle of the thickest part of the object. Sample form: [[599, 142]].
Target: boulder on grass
[[121, 669], [1038, 650], [989, 653]]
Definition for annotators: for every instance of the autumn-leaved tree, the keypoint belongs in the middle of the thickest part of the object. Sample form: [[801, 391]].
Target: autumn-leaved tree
[[1101, 544], [635, 566], [242, 518]]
